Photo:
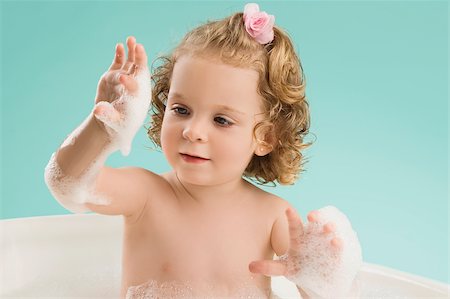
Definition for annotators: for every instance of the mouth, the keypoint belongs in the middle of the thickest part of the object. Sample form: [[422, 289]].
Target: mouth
[[192, 158]]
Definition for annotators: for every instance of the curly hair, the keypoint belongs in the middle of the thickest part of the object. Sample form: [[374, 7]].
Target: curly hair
[[281, 85]]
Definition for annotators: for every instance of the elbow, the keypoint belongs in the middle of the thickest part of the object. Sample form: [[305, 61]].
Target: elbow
[[63, 189]]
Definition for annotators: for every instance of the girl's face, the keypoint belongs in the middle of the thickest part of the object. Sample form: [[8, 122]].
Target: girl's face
[[211, 111]]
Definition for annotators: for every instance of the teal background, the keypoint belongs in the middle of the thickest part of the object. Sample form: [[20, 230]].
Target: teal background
[[377, 83]]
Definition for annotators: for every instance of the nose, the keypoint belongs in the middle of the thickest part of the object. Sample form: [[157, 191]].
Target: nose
[[195, 131]]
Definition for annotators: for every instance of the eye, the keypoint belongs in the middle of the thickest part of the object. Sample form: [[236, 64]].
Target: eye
[[180, 110], [222, 121]]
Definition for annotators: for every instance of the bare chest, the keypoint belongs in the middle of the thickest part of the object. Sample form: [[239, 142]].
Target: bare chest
[[174, 244]]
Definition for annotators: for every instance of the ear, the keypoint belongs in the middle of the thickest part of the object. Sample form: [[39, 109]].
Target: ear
[[265, 140]]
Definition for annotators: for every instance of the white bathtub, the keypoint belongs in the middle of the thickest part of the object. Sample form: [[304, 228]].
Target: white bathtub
[[79, 256]]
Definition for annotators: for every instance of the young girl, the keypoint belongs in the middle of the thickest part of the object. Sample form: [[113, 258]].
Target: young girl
[[229, 103]]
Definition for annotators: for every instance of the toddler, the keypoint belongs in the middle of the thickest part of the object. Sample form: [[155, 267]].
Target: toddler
[[229, 106]]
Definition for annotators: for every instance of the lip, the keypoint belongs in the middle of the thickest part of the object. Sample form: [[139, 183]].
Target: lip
[[193, 159]]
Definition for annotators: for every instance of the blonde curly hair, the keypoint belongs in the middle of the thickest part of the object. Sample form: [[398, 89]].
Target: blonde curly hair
[[281, 85]]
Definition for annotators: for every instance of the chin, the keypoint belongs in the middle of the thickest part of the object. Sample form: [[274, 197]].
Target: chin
[[204, 178], [193, 177]]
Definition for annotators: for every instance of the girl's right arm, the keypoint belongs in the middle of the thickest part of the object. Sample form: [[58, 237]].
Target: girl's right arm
[[75, 174]]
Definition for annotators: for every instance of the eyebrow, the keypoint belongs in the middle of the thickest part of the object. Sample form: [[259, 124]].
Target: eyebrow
[[224, 107]]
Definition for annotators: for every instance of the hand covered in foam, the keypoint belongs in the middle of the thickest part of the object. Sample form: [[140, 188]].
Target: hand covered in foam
[[324, 255], [323, 258], [124, 95]]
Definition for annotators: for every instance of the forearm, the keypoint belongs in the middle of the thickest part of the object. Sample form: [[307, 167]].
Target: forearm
[[83, 146], [71, 172]]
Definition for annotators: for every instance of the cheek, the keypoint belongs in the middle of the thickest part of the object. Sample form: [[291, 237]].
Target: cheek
[[237, 146], [167, 130]]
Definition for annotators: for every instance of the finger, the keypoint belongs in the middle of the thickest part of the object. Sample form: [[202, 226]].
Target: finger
[[313, 216], [131, 44], [129, 83], [141, 56], [268, 268], [329, 227], [106, 113], [295, 229], [118, 58]]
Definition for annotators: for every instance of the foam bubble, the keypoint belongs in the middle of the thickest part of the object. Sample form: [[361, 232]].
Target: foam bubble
[[174, 289], [153, 289], [322, 270]]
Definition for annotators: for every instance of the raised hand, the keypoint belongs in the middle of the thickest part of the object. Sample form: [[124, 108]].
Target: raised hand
[[121, 72], [123, 94]]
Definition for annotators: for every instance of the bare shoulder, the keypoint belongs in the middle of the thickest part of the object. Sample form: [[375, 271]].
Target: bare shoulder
[[144, 174], [275, 204]]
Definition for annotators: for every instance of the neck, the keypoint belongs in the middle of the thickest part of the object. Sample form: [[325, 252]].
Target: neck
[[224, 193]]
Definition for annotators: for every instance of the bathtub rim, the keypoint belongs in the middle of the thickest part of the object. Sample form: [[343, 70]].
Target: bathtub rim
[[367, 267]]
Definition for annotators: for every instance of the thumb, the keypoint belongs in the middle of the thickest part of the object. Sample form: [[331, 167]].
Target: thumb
[[268, 268], [296, 229], [106, 113]]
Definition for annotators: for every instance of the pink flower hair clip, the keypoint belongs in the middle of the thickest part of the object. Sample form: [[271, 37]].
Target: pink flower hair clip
[[258, 24]]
